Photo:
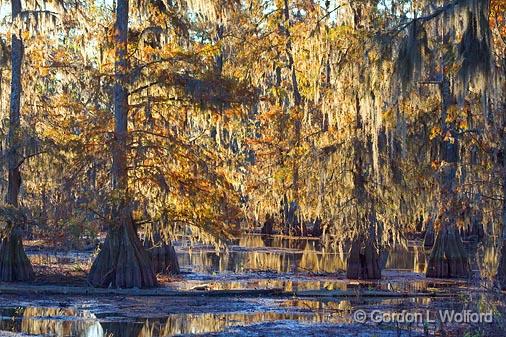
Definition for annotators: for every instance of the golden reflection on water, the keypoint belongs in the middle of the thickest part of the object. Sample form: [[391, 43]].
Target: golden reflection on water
[[282, 254], [52, 321], [63, 322], [253, 253], [207, 323], [419, 259], [279, 254]]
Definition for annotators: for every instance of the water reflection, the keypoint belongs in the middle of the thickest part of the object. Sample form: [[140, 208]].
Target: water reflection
[[50, 321], [210, 322], [63, 322], [260, 253], [282, 254], [254, 262], [71, 322]]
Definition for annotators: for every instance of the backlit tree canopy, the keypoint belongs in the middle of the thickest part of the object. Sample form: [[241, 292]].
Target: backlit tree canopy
[[355, 120]]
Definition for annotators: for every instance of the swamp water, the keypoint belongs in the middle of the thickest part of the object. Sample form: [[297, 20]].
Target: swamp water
[[150, 317], [255, 262]]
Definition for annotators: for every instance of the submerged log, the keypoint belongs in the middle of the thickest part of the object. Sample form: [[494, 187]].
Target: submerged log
[[14, 264], [363, 261], [122, 262], [448, 258]]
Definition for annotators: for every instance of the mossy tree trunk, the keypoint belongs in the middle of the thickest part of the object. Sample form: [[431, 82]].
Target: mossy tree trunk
[[317, 229], [448, 258], [363, 261], [294, 224], [14, 264], [501, 268], [268, 227], [164, 259], [364, 258], [122, 262]]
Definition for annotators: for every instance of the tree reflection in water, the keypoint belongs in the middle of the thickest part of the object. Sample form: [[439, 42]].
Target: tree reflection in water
[[69, 322]]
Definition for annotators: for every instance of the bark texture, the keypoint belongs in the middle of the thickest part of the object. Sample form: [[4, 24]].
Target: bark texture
[[268, 227], [364, 261], [162, 254], [448, 258], [14, 264], [428, 239], [164, 259], [122, 262], [501, 269]]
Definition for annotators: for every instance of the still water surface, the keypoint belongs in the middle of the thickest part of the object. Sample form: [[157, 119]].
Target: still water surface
[[253, 262]]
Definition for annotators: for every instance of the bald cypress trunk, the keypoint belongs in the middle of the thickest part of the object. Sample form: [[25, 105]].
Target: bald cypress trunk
[[268, 227], [122, 262], [448, 258], [363, 261], [163, 256], [501, 269], [14, 264], [293, 224], [428, 239]]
